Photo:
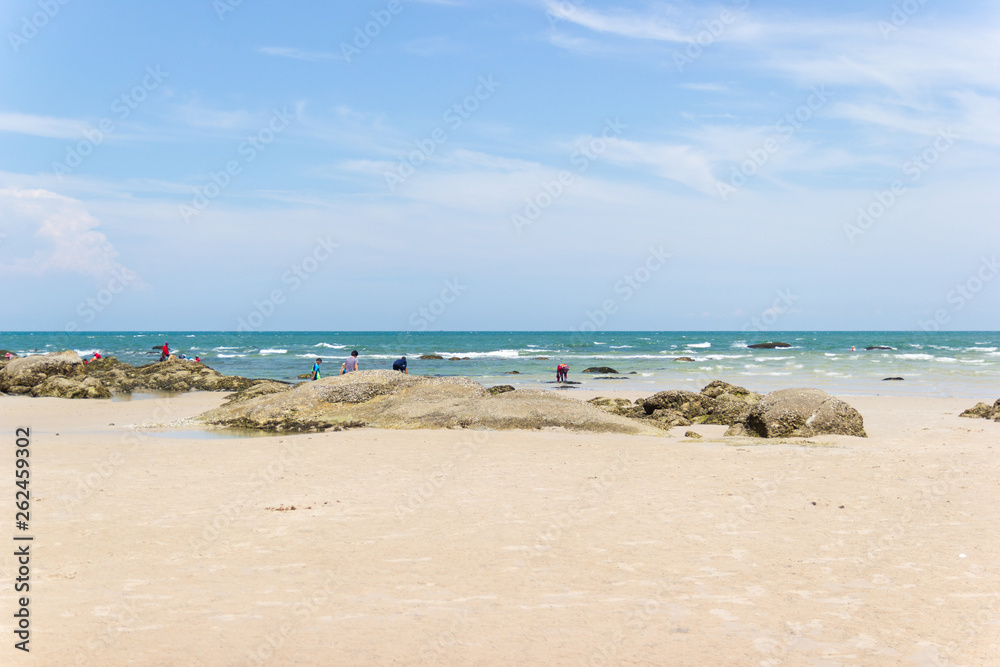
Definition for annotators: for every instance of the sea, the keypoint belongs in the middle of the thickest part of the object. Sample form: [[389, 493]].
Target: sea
[[961, 364]]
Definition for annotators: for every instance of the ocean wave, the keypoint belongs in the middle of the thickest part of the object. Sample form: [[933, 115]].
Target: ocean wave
[[85, 353], [274, 352], [620, 347], [328, 345], [773, 358], [716, 357], [230, 356], [947, 360], [980, 349], [224, 348], [916, 357], [503, 354], [699, 344]]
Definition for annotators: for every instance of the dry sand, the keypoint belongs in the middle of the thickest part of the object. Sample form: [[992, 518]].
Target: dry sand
[[507, 548]]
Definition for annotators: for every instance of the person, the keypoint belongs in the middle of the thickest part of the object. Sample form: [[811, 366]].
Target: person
[[197, 359], [8, 356], [343, 368], [97, 355], [166, 352], [352, 362], [562, 372], [316, 369], [400, 365]]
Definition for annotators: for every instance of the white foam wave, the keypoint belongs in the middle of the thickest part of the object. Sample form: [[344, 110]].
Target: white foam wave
[[229, 356], [916, 357], [699, 345], [274, 352], [328, 345], [501, 354], [620, 347]]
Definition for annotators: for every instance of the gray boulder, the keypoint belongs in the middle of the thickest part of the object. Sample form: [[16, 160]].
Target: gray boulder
[[20, 376], [688, 403], [76, 387], [800, 413]]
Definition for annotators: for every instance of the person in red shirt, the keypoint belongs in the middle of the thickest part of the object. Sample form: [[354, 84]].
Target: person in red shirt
[[562, 372], [166, 352]]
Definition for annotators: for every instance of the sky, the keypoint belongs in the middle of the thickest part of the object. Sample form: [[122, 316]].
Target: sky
[[499, 165]]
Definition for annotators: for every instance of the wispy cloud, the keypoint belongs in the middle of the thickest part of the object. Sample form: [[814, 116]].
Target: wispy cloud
[[298, 54], [42, 126]]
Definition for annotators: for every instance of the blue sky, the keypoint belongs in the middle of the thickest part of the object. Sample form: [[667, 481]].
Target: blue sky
[[519, 164]]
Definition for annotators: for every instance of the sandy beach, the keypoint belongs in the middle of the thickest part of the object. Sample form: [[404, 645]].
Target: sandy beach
[[457, 547]]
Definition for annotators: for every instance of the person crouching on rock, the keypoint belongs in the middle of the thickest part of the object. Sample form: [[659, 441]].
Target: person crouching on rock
[[562, 372], [400, 365], [166, 352], [316, 369]]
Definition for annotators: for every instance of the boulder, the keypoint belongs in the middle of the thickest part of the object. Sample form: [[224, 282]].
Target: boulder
[[897, 379], [20, 376], [732, 403], [609, 403], [693, 435], [431, 356], [984, 411], [683, 359], [879, 347], [304, 376], [602, 370], [541, 358], [500, 389], [800, 413], [670, 418], [261, 388], [173, 375], [76, 387], [716, 388], [387, 399], [767, 346], [688, 403], [612, 377]]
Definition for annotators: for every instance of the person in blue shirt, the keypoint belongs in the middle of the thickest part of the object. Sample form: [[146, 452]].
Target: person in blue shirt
[[400, 365], [316, 369]]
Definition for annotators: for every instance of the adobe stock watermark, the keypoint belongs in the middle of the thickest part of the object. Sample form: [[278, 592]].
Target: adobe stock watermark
[[423, 317], [767, 318], [30, 27], [92, 306], [581, 158], [363, 35], [223, 7], [122, 108], [248, 150], [629, 285], [453, 117], [786, 128], [901, 14], [712, 31], [883, 200], [962, 293], [294, 277]]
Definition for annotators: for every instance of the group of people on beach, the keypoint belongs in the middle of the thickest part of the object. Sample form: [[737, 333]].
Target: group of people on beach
[[165, 354], [351, 365]]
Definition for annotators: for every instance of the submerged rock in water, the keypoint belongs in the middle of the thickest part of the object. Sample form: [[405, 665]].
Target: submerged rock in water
[[879, 347], [603, 370], [800, 412], [388, 399], [767, 346], [430, 356]]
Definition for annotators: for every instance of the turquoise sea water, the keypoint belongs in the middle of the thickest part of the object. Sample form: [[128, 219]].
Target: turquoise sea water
[[932, 364]]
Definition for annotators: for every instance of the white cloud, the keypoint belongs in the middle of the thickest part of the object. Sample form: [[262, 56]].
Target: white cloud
[[298, 54], [683, 164], [50, 233], [42, 126]]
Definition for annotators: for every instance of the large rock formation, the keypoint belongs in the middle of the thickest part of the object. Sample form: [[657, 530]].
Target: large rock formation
[[174, 375], [984, 411], [20, 376], [63, 387], [718, 403], [799, 412], [388, 399]]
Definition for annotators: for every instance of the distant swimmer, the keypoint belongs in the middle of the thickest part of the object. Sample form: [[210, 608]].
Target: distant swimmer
[[562, 372], [852, 348], [400, 365], [316, 369], [352, 362]]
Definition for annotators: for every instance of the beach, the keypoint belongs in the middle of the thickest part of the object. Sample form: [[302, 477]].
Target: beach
[[379, 547]]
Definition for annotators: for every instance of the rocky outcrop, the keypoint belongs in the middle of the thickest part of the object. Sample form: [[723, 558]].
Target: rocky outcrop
[[173, 375], [732, 403], [20, 376], [688, 359], [500, 389], [387, 399], [984, 411], [879, 347], [717, 403], [431, 356], [602, 370], [800, 412], [767, 346], [896, 379], [687, 403], [261, 388], [76, 387]]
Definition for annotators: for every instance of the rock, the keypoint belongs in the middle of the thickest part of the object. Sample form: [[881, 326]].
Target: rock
[[603, 370], [716, 388], [670, 418], [609, 403], [172, 375], [683, 359], [800, 413], [500, 389], [452, 358], [541, 358], [512, 373], [612, 377], [63, 387], [261, 388], [693, 435], [431, 356], [984, 411], [767, 346], [304, 376], [892, 379], [20, 376], [387, 399], [732, 403], [879, 347], [688, 403]]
